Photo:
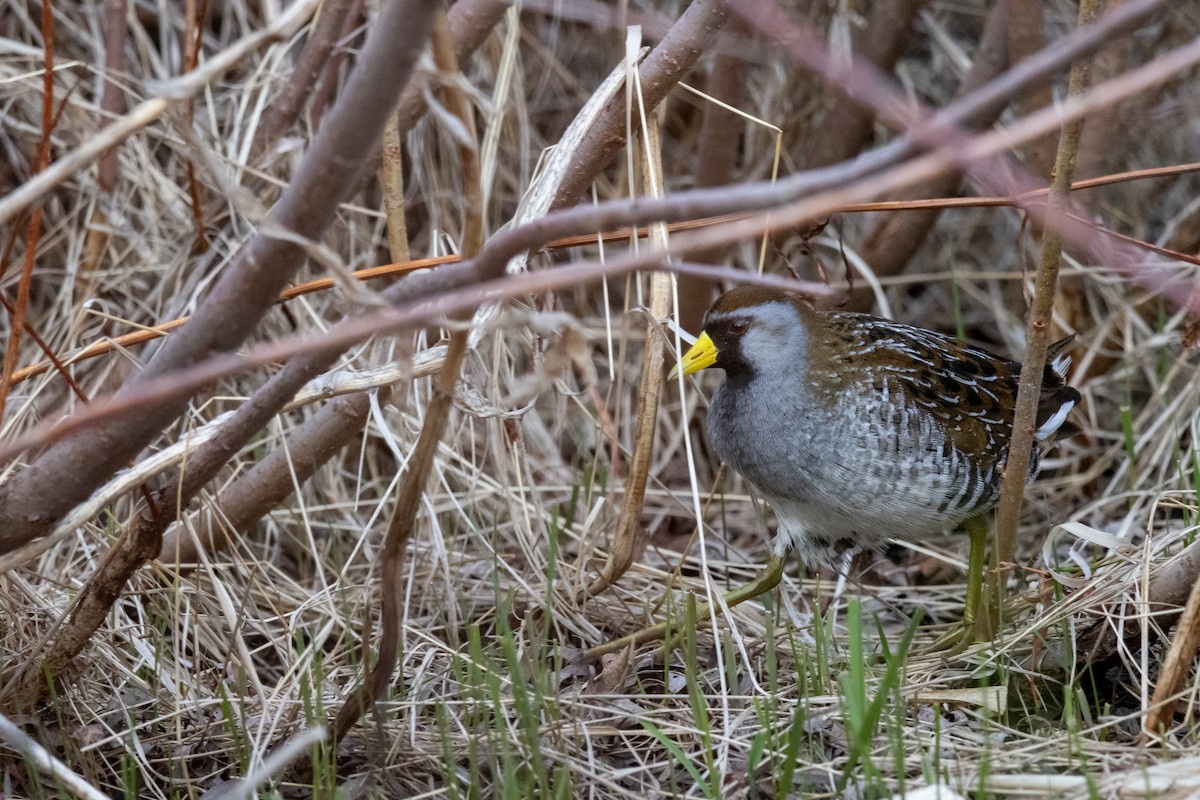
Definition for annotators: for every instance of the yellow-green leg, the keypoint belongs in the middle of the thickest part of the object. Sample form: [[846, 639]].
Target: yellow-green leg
[[977, 533], [973, 627], [766, 580]]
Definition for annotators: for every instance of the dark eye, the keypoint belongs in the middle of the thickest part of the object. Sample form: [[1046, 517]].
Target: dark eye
[[739, 326]]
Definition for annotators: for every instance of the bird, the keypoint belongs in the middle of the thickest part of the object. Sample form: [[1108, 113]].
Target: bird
[[857, 430]]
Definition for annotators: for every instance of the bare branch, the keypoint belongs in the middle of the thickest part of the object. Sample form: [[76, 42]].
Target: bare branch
[[700, 203], [689, 38], [480, 273], [65, 474], [847, 125], [284, 109]]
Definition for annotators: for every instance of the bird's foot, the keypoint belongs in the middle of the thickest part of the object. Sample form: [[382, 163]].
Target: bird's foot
[[977, 618], [954, 642]]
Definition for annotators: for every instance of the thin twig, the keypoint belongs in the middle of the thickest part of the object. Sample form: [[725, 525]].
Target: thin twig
[[143, 539], [482, 271], [513, 241], [124, 341], [1016, 470]]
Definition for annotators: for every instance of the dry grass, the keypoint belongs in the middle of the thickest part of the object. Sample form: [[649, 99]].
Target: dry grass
[[200, 674]]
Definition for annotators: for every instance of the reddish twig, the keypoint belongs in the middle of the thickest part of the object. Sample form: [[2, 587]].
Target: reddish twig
[[57, 365], [35, 218], [143, 540], [161, 329], [53, 362], [514, 241]]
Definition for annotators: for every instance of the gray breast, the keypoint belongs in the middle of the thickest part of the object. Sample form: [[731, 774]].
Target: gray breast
[[761, 435]]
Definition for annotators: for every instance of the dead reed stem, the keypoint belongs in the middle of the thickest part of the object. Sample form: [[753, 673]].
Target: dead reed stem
[[629, 525], [377, 682]]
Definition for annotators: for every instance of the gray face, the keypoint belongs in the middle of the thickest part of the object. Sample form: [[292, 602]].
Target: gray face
[[767, 339]]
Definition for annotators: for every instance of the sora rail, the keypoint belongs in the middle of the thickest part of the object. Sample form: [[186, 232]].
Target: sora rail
[[857, 430]]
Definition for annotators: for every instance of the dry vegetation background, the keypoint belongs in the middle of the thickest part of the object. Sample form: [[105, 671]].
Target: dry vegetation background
[[395, 495]]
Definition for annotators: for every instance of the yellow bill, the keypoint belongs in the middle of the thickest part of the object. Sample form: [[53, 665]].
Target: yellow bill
[[701, 355]]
